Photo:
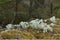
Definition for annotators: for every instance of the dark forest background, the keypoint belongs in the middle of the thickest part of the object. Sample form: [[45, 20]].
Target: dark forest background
[[14, 11]]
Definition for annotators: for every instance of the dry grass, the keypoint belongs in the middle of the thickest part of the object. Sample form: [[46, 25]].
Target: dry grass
[[17, 34], [32, 33]]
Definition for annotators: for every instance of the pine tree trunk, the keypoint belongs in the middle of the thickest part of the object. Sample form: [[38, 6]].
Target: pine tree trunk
[[15, 14]]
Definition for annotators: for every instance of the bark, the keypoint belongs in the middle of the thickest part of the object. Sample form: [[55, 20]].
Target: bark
[[30, 8], [15, 14], [51, 8]]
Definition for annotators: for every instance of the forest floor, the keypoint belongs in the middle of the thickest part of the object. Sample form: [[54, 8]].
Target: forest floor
[[31, 34]]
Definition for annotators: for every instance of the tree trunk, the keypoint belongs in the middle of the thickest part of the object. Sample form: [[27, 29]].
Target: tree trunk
[[30, 8], [51, 9], [15, 14]]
